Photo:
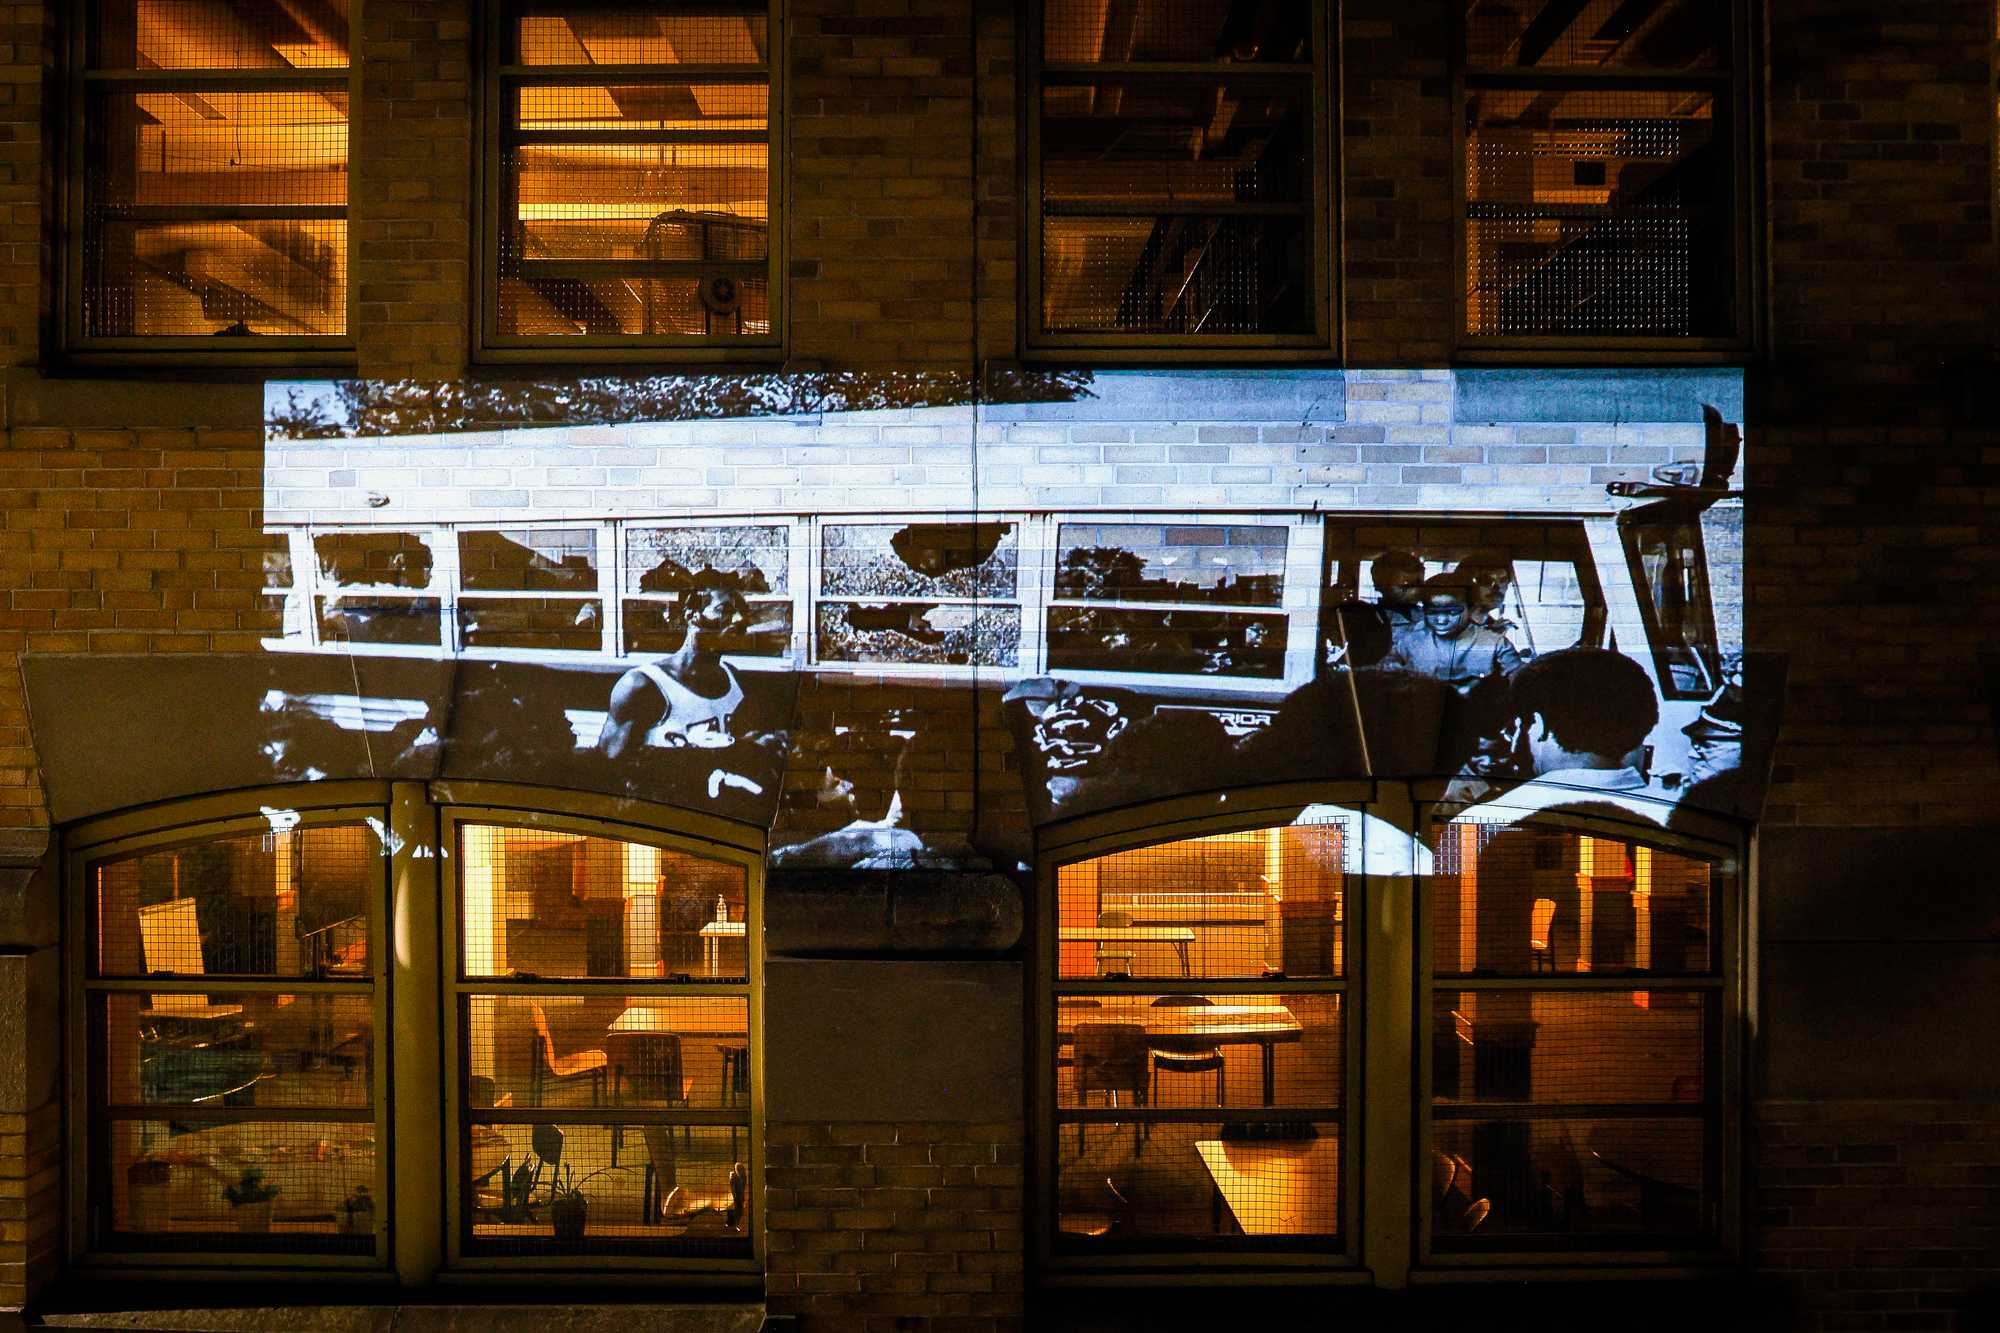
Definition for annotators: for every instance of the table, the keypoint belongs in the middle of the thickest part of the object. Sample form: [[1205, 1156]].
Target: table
[[712, 936], [1178, 936], [687, 1017], [1194, 1027], [188, 1006], [1277, 1187]]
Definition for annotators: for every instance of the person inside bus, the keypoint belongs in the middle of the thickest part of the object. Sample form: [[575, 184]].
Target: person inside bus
[[1487, 580], [1448, 645], [1365, 631]]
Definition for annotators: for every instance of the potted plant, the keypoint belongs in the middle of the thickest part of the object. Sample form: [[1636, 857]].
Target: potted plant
[[150, 1184], [568, 1208], [250, 1201], [357, 1212]]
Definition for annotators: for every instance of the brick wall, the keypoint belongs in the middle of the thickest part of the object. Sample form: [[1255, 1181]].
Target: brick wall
[[30, 1200], [1881, 1215], [1396, 205], [411, 202], [27, 57], [881, 264], [875, 1227], [1881, 192]]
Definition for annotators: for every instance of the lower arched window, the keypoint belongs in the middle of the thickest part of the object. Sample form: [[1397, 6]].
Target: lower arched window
[[1389, 1040], [283, 1015]]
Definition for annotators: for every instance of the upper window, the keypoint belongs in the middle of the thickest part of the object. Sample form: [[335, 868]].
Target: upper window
[[210, 177], [632, 199], [1601, 192], [1179, 176]]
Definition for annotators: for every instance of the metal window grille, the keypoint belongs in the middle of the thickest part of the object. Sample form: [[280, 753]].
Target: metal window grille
[[1178, 180], [1200, 1023], [603, 1013], [1599, 170], [231, 1012], [211, 173], [634, 192], [1576, 1043]]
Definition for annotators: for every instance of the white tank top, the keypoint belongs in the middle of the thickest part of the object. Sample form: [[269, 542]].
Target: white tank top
[[693, 719]]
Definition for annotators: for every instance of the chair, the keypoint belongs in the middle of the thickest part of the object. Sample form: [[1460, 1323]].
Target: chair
[[516, 1201], [735, 1071], [1541, 956], [1112, 1218], [1124, 957], [545, 1066], [1110, 1058], [650, 1062], [1198, 1061]]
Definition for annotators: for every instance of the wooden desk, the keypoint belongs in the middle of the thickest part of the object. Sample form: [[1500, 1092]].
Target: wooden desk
[[1178, 936], [1280, 1187], [712, 936], [1194, 1028], [194, 1007], [687, 1017]]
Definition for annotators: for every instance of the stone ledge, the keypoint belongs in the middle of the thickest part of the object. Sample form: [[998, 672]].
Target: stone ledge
[[441, 1318]]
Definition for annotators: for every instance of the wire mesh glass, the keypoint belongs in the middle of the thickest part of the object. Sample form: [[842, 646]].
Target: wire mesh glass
[[1597, 34], [218, 148], [1598, 212], [252, 1185], [280, 904], [239, 278], [742, 106], [1126, 1183], [235, 1049], [1579, 1047], [544, 304], [559, 1187], [585, 34], [1137, 1163], [542, 903], [598, 1049], [685, 203], [1263, 901], [1177, 31], [218, 34], [1559, 1183], [1175, 146], [1176, 274], [1154, 1052], [1512, 901]]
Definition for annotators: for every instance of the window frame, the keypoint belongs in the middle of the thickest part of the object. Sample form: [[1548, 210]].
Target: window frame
[[478, 804], [80, 83], [1733, 88], [1724, 848], [497, 80], [411, 976], [191, 824], [1358, 987], [1320, 220]]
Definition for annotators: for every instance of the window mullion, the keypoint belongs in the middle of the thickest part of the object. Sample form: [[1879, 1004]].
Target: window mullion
[[416, 1062]]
